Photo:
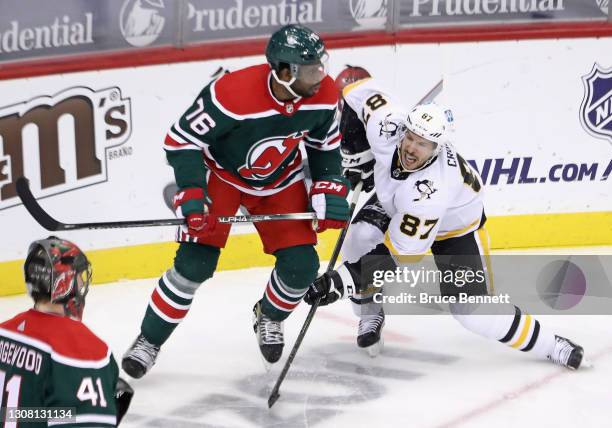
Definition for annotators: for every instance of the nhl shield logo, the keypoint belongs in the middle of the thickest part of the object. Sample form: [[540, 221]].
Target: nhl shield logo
[[596, 108]]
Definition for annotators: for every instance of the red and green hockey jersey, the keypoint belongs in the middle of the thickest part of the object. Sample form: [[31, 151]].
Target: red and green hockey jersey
[[53, 361], [250, 139]]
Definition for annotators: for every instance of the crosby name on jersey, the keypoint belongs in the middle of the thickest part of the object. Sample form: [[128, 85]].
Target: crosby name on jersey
[[442, 200]]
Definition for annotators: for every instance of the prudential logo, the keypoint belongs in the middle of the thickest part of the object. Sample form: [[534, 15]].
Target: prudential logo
[[369, 13], [141, 21]]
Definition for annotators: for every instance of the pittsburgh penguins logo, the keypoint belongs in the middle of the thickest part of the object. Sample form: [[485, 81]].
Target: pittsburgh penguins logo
[[388, 128], [425, 188], [267, 155]]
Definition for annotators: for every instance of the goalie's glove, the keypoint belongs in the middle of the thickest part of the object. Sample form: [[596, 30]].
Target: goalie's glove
[[123, 398], [191, 203], [358, 167], [332, 286], [328, 201]]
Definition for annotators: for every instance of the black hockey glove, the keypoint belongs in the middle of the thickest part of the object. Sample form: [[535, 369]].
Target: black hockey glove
[[358, 167], [332, 286], [357, 158], [123, 398]]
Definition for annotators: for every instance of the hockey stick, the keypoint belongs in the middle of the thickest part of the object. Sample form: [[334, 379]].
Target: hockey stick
[[274, 395], [49, 223]]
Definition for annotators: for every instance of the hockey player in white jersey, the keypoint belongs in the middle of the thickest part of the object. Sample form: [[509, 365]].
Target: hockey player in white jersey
[[427, 198]]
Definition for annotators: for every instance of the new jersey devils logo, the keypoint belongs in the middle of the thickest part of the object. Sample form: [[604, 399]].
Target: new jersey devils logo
[[268, 154]]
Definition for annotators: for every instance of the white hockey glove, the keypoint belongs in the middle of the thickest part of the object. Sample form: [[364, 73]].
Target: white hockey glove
[[332, 286]]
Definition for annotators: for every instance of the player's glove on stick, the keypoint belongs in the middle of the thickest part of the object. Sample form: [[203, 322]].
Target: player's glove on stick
[[328, 201], [332, 286], [190, 203], [358, 167], [123, 398]]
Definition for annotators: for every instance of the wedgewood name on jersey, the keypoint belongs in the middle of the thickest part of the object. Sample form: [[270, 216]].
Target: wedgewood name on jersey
[[261, 15], [61, 32], [482, 7], [20, 356]]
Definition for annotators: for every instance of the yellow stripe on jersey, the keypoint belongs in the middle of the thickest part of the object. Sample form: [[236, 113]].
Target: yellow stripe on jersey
[[519, 342], [348, 88], [485, 243], [458, 232], [405, 258]]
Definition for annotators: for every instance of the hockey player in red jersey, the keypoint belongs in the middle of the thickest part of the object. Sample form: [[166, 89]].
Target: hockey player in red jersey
[[48, 358], [238, 145], [427, 198]]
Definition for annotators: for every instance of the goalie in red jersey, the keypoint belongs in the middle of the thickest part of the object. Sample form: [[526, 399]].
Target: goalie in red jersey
[[48, 358]]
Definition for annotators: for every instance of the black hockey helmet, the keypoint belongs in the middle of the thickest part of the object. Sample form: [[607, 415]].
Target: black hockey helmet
[[58, 271]]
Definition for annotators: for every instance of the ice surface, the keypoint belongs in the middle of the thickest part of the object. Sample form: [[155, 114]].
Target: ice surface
[[432, 373]]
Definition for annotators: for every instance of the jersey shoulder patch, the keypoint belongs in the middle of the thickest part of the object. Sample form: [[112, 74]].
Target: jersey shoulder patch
[[61, 336]]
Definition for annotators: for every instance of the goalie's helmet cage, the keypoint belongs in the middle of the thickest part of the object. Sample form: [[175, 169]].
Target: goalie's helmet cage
[[58, 271]]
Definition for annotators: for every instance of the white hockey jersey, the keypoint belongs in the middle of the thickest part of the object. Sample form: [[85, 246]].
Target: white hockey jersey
[[441, 201]]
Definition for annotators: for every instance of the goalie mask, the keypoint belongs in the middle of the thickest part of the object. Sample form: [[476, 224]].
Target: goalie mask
[[58, 271], [303, 51], [429, 122]]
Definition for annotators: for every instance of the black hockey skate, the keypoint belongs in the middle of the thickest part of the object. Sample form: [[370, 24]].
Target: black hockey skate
[[369, 335], [269, 334], [568, 354], [139, 359]]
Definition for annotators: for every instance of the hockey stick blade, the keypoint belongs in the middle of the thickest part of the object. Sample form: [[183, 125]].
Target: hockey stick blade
[[275, 394], [31, 204]]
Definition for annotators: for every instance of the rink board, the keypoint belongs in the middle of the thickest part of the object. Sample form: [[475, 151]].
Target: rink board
[[522, 119]]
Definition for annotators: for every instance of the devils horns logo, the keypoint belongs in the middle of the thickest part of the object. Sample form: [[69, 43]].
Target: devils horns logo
[[142, 21], [596, 107], [267, 155]]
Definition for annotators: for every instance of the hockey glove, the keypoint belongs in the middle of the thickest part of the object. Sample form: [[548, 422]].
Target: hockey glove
[[332, 286], [357, 158], [328, 201], [123, 398], [191, 203], [358, 167]]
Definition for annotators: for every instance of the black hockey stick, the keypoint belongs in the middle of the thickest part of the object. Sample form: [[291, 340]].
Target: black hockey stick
[[49, 223], [274, 395]]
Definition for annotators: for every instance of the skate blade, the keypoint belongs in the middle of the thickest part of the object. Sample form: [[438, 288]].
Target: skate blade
[[585, 364], [267, 366], [376, 349]]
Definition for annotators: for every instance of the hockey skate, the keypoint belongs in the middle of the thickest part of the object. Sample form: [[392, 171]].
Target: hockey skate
[[369, 335], [270, 336], [139, 359], [568, 354]]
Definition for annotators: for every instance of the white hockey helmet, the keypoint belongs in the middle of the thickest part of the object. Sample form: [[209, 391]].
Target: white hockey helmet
[[432, 122]]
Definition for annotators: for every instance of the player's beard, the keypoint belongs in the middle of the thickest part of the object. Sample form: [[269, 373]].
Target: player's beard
[[305, 91]]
